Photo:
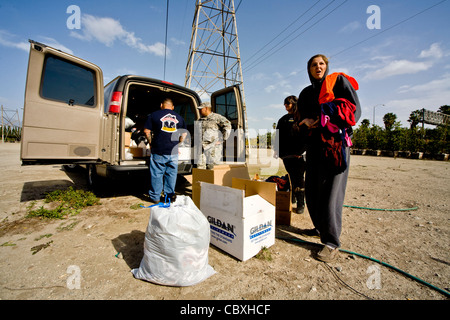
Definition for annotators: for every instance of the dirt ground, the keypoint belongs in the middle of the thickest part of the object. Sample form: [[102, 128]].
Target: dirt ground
[[39, 258]]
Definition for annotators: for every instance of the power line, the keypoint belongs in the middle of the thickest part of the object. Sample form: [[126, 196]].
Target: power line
[[165, 44], [283, 46], [367, 39], [387, 29], [279, 34]]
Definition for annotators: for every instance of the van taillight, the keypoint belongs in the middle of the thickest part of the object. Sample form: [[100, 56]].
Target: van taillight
[[116, 100]]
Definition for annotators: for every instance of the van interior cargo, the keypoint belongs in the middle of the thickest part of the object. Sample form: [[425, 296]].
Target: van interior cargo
[[143, 99]]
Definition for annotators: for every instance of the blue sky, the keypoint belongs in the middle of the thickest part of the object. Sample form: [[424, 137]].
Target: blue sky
[[401, 67]]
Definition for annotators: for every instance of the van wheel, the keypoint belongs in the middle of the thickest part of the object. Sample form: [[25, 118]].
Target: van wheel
[[92, 177], [70, 167]]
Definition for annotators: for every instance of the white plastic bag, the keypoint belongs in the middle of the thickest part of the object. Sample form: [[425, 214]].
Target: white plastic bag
[[176, 245]]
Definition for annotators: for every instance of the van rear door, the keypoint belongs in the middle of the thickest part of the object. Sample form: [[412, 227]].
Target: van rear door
[[63, 108], [228, 102]]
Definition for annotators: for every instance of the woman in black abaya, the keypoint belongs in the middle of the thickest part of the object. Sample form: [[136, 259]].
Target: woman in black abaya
[[325, 182]]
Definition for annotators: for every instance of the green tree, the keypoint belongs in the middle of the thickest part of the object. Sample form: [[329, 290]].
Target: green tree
[[375, 140], [444, 109], [414, 118], [361, 135], [389, 120]]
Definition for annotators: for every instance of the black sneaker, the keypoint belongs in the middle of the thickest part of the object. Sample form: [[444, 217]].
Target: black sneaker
[[313, 233]]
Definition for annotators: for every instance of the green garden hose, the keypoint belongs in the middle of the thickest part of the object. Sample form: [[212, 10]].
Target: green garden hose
[[442, 291]]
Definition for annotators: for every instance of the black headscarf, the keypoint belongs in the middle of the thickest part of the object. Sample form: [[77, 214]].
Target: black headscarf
[[315, 82]]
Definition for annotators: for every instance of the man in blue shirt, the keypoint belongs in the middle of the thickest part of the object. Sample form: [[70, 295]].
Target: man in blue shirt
[[168, 129]]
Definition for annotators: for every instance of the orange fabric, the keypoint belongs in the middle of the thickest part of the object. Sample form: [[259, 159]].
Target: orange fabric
[[326, 92]]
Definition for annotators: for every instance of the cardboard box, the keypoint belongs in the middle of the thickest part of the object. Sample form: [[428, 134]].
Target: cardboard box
[[240, 225], [221, 175], [283, 208], [127, 139], [268, 190], [138, 152]]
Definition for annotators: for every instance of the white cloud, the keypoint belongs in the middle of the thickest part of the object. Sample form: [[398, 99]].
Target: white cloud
[[398, 67], [55, 44], [430, 95], [349, 28], [435, 51], [270, 88], [108, 30], [177, 42], [387, 66], [342, 69], [276, 106], [259, 76], [435, 87], [5, 40]]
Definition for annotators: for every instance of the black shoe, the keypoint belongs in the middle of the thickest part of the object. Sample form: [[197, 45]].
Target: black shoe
[[299, 209], [313, 233], [299, 194], [166, 199]]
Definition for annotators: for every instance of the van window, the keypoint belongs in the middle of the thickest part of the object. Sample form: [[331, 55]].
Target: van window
[[185, 110], [226, 105], [67, 82]]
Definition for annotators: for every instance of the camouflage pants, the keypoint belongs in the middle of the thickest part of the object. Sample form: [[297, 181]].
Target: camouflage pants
[[210, 156]]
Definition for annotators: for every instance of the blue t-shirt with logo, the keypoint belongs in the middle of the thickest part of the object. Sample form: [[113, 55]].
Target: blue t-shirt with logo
[[166, 126]]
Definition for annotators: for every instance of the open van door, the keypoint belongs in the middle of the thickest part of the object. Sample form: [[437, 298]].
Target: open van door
[[228, 103], [63, 108]]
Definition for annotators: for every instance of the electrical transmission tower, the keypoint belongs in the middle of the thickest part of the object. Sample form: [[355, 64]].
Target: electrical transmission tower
[[214, 60]]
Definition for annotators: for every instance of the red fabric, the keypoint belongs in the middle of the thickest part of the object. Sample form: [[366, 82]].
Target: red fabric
[[332, 144], [346, 110], [326, 91]]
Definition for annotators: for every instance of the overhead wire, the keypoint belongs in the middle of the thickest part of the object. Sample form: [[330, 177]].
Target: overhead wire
[[262, 59], [389, 28], [368, 38], [279, 34], [165, 40], [357, 43]]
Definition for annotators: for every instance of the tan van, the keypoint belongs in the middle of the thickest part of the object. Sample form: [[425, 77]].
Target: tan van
[[70, 118]]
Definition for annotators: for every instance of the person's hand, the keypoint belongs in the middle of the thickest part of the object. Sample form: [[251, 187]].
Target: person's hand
[[310, 123]]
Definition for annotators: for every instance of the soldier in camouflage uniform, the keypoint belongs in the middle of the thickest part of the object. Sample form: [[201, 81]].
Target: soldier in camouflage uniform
[[215, 129]]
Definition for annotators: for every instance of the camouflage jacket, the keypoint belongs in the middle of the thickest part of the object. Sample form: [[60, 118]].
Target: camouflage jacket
[[214, 128]]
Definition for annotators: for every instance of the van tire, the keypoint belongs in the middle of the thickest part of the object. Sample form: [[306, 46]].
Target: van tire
[[91, 176], [70, 167]]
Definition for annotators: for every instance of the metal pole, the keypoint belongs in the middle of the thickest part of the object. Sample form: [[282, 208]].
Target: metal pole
[[165, 45], [373, 124], [3, 139]]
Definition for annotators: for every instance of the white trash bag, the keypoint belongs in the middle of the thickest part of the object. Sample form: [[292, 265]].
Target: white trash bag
[[176, 245]]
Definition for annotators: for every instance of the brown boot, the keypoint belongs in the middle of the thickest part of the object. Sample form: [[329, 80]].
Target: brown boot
[[327, 254]]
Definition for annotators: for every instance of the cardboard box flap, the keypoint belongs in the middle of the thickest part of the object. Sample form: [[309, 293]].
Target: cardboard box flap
[[257, 205], [221, 174], [220, 198], [267, 190]]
